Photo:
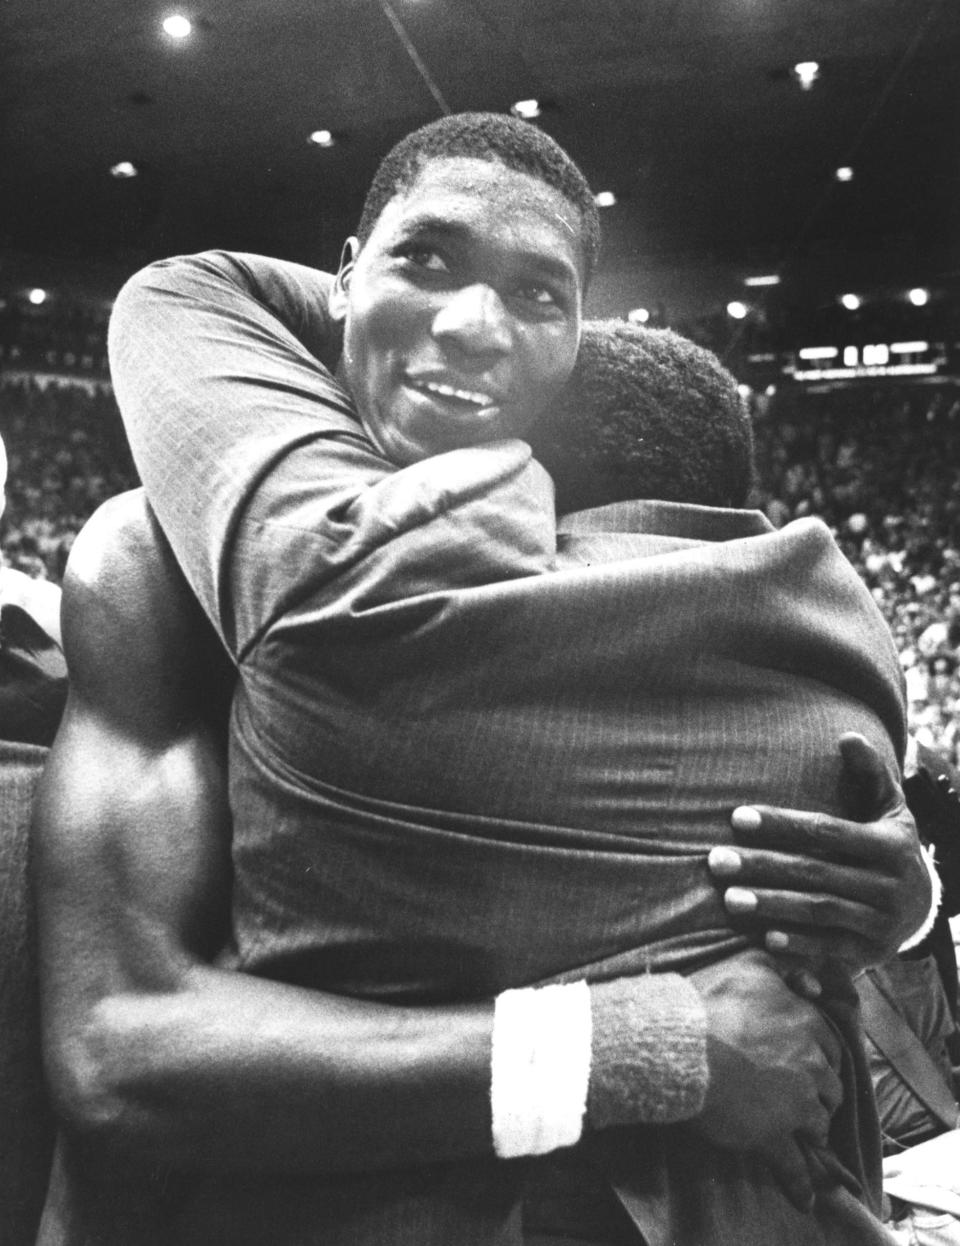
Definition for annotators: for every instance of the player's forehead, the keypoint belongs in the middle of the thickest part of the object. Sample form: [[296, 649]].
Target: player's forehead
[[483, 204]]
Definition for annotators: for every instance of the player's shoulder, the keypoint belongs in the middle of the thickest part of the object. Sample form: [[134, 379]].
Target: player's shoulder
[[122, 586], [120, 541]]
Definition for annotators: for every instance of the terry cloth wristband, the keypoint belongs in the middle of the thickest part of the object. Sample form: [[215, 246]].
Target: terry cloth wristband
[[540, 1068], [625, 1052], [918, 937], [649, 1051]]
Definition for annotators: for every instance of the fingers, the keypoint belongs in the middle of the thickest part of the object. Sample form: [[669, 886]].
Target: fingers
[[823, 835], [789, 1163], [779, 871], [842, 949], [830, 1090], [876, 788], [802, 981], [819, 914]]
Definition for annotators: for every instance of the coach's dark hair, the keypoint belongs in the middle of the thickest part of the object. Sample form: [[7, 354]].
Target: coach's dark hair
[[647, 414], [516, 144]]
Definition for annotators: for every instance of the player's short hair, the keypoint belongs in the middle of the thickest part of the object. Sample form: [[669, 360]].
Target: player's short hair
[[518, 145], [647, 414]]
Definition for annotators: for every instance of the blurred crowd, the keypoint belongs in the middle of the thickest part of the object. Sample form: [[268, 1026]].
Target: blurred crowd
[[57, 334], [67, 453], [880, 464]]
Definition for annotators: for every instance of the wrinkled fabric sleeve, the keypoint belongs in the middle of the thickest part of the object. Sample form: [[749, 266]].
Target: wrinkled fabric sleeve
[[216, 362]]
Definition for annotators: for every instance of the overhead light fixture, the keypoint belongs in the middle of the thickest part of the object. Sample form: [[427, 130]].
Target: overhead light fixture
[[806, 73], [124, 169], [638, 315], [919, 296], [37, 296], [527, 109], [770, 279], [851, 301], [844, 173], [321, 138], [604, 198], [737, 310], [908, 348], [178, 26]]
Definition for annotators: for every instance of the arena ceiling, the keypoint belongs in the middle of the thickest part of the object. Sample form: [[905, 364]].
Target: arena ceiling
[[688, 110]]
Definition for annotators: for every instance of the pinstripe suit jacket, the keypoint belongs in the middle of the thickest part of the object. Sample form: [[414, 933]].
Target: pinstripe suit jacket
[[468, 752]]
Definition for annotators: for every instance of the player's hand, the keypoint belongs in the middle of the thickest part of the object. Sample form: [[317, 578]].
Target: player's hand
[[823, 887], [772, 1059]]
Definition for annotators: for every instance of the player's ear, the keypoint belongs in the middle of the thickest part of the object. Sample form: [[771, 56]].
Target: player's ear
[[341, 288]]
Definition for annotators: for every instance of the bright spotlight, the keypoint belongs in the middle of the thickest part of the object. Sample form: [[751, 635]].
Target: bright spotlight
[[177, 26], [527, 109], [806, 73], [123, 169], [919, 297], [844, 174], [37, 296], [638, 315], [737, 310], [850, 301], [604, 198], [321, 138]]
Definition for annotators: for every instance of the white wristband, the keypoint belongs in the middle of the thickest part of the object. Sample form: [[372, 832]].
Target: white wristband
[[540, 1068], [937, 886]]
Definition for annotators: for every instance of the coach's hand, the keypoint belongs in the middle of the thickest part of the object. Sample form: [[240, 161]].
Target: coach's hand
[[829, 888]]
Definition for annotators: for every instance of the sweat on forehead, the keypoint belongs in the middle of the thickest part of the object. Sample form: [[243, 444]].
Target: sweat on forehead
[[517, 145]]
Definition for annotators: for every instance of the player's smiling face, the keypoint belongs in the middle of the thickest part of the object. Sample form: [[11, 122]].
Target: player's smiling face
[[462, 310]]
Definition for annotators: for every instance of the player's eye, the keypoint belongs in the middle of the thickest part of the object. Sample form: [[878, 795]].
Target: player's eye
[[424, 257]]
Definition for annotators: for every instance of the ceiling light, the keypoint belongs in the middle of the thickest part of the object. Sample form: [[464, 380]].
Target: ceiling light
[[844, 174], [806, 73], [321, 138], [919, 297], [850, 301], [527, 109], [638, 315], [908, 348], [604, 198], [37, 296], [177, 26], [737, 310], [124, 168], [771, 279]]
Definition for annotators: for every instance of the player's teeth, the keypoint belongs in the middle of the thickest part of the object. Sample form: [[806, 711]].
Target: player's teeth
[[448, 391]]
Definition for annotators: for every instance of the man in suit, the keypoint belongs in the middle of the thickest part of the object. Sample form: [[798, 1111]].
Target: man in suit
[[260, 1073]]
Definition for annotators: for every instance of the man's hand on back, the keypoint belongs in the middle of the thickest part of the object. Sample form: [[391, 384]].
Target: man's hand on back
[[822, 887]]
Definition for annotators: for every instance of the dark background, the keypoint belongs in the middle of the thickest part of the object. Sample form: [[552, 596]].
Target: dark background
[[686, 109]]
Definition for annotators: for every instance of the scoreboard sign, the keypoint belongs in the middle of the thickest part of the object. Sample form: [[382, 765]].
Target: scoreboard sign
[[879, 359]]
